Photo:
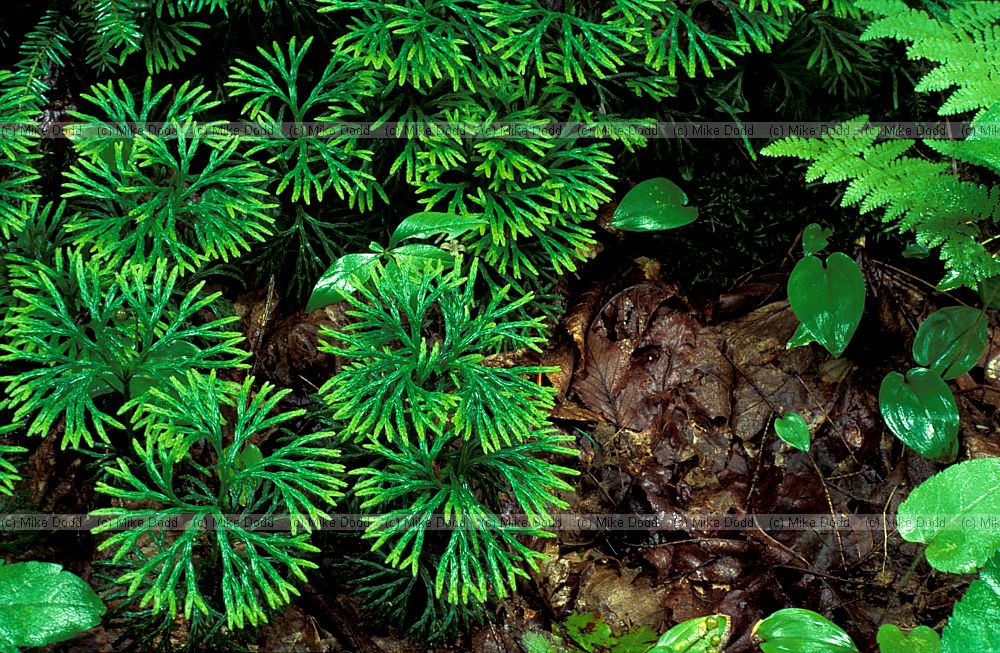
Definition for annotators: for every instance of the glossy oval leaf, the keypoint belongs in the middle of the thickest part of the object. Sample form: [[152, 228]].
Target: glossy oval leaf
[[794, 630], [920, 410], [954, 514], [792, 428], [335, 283], [919, 640], [951, 340], [974, 625], [432, 223], [828, 299], [708, 634], [815, 238], [41, 604], [654, 205]]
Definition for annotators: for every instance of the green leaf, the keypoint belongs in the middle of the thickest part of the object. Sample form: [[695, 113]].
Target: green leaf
[[951, 340], [828, 299], [814, 238], [180, 350], [707, 634], [540, 643], [920, 410], [431, 223], [973, 622], [249, 456], [654, 205], [794, 630], [635, 640], [417, 253], [991, 573], [792, 428], [589, 631], [989, 292], [920, 640], [801, 337], [952, 281], [953, 513], [41, 604], [913, 250], [335, 283]]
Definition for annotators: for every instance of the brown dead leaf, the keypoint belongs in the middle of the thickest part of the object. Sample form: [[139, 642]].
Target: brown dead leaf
[[290, 352], [623, 597], [295, 631], [614, 379]]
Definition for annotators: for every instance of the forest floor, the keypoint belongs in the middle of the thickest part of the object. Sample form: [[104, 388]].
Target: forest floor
[[672, 406]]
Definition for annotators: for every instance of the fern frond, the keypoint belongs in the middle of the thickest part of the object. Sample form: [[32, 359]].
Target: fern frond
[[965, 45], [118, 107], [979, 147], [559, 42], [390, 369], [408, 599], [9, 476], [169, 44], [916, 194]]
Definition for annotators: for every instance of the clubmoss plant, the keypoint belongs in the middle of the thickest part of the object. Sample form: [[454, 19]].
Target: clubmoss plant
[[447, 431], [86, 343], [221, 551]]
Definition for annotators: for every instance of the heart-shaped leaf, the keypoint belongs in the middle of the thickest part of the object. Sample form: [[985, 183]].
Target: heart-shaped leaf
[[654, 205], [951, 340], [920, 640], [700, 635], [792, 428], [954, 514], [973, 622], [41, 604], [335, 283], [920, 410], [794, 630], [828, 299], [815, 238], [432, 223]]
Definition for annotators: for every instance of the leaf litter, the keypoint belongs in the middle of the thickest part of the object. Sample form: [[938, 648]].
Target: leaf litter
[[673, 409]]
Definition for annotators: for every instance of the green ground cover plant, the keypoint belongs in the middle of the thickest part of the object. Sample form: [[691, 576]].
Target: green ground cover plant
[[447, 248], [954, 211]]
